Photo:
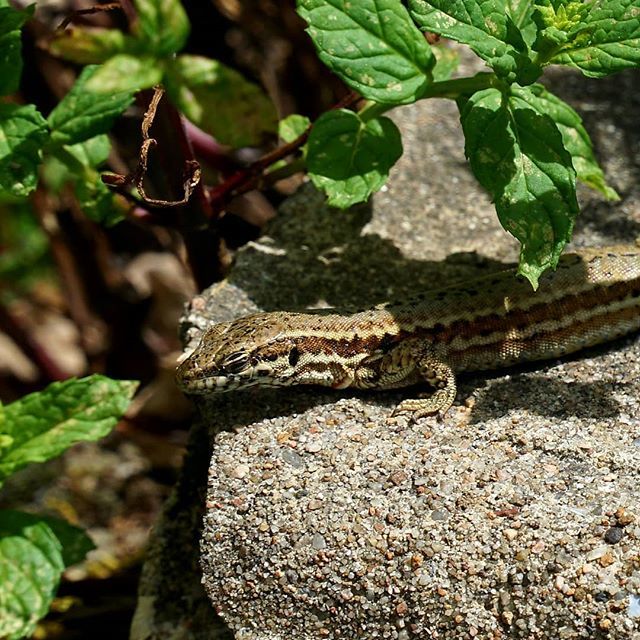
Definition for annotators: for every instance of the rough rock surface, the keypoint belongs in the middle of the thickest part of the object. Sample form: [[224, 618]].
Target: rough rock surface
[[518, 516]]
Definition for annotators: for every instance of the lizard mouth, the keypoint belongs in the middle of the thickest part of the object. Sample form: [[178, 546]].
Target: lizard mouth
[[218, 384], [207, 384], [192, 379], [197, 381]]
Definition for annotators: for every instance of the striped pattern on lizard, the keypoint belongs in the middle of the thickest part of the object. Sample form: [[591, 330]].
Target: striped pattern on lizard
[[488, 323]]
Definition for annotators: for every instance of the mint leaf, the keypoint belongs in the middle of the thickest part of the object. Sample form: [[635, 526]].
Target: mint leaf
[[11, 47], [96, 200], [30, 566], [486, 27], [23, 132], [292, 127], [447, 61], [33, 553], [607, 41], [574, 136], [74, 541], [372, 45], [558, 23], [517, 154], [64, 163], [54, 173], [90, 153], [81, 114], [220, 101], [350, 159], [124, 73], [89, 45], [45, 423], [520, 11], [162, 25], [79, 166]]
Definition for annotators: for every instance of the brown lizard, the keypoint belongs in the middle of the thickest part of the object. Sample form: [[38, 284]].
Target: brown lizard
[[488, 323]]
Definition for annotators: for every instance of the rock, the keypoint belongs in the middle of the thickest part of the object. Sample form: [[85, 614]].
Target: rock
[[356, 525]]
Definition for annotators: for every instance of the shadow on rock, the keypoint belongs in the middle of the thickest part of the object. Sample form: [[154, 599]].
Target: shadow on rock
[[594, 400]]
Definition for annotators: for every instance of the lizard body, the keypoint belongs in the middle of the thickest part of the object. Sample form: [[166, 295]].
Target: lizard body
[[488, 323]]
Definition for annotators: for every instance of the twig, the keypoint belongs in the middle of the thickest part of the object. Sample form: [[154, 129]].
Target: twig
[[191, 172], [112, 6], [206, 252]]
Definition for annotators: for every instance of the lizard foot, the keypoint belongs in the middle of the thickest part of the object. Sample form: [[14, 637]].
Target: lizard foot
[[437, 403]]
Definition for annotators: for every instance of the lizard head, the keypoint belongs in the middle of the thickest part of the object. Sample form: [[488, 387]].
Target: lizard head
[[239, 354]]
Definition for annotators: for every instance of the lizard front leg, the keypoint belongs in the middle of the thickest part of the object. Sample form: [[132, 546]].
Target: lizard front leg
[[415, 361], [442, 378]]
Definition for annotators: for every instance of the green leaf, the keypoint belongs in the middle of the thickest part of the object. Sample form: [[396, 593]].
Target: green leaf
[[124, 73], [34, 551], [75, 542], [607, 41], [574, 136], [77, 164], [520, 11], [89, 45], [486, 27], [11, 47], [82, 114], [558, 23], [220, 101], [96, 200], [162, 25], [81, 160], [54, 173], [31, 562], [350, 159], [372, 45], [24, 259], [45, 423], [517, 154], [447, 61], [23, 132], [90, 153], [292, 127]]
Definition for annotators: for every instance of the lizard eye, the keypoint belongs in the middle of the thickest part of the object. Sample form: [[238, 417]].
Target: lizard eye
[[235, 362]]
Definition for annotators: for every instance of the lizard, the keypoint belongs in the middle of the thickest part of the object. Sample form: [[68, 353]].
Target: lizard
[[487, 323]]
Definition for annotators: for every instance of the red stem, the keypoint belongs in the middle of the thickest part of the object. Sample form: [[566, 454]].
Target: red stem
[[220, 195]]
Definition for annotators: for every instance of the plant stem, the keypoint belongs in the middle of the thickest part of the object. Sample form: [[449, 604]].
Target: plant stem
[[451, 89]]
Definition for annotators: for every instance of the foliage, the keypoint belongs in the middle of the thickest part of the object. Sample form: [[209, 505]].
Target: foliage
[[27, 138], [24, 258], [71, 142], [213, 96], [34, 550], [374, 146], [72, 137], [524, 144]]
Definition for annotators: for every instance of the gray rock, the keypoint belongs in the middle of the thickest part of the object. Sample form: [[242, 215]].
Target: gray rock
[[347, 523]]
